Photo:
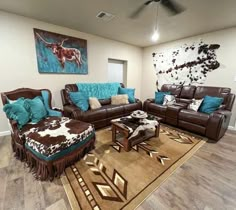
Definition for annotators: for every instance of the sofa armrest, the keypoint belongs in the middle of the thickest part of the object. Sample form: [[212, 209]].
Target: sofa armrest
[[146, 104], [137, 100], [218, 124], [151, 100], [70, 109]]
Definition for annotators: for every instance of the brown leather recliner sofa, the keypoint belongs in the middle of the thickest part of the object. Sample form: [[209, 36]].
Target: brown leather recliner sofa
[[98, 117], [213, 125]]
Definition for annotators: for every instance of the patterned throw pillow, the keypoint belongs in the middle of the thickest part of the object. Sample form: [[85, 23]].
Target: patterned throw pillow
[[119, 99], [169, 100], [195, 104], [94, 103]]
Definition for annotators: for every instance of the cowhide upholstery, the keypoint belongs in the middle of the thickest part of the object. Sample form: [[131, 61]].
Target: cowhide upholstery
[[54, 135]]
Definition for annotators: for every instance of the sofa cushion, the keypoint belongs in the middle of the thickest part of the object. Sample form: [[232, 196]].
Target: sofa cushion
[[159, 97], [220, 92], [95, 114], [174, 89], [114, 110], [210, 104], [105, 101], [194, 117], [128, 108], [157, 108], [187, 91]]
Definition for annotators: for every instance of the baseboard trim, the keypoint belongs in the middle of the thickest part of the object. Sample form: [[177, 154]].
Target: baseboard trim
[[232, 128], [5, 133]]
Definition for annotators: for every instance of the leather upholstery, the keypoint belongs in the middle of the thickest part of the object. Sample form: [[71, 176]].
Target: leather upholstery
[[172, 114], [187, 92], [191, 116], [212, 126], [202, 91], [99, 117], [174, 89]]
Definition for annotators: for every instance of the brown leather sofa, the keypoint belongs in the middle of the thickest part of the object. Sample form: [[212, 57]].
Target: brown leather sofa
[[213, 126], [98, 117]]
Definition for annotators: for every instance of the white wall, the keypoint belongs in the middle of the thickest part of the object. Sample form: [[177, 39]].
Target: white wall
[[223, 76], [18, 64]]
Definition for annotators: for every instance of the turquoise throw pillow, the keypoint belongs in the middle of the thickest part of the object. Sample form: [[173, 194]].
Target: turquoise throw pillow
[[159, 97], [36, 108], [16, 111], [80, 99], [210, 104], [129, 92]]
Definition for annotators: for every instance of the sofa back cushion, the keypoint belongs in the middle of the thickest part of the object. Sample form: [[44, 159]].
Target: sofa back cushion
[[173, 89], [105, 101], [221, 92], [187, 92]]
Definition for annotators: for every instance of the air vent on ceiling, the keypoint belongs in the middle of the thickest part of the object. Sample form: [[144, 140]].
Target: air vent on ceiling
[[105, 16]]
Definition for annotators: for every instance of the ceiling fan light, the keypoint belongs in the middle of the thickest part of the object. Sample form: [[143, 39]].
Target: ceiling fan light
[[155, 36]]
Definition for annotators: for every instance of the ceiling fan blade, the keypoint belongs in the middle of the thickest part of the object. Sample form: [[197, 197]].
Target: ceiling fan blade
[[173, 7], [140, 9]]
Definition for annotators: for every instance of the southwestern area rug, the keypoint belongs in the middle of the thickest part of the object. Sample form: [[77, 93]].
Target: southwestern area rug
[[110, 178]]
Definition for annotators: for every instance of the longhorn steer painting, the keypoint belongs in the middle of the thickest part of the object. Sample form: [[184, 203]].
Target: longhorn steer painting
[[186, 65], [57, 53]]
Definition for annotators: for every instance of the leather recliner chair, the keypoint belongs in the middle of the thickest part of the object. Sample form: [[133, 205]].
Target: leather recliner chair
[[213, 125]]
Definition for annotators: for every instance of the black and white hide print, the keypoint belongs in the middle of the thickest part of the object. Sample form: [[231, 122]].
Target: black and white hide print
[[187, 65]]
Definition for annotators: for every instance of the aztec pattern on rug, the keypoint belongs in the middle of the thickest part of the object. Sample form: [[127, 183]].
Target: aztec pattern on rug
[[109, 177]]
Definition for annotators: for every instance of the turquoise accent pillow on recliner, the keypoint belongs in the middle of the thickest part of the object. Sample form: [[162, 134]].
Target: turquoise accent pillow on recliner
[[36, 109], [210, 104], [80, 99], [129, 92], [159, 97], [16, 111]]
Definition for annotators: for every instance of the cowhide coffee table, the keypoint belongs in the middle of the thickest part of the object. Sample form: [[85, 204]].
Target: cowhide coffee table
[[134, 131]]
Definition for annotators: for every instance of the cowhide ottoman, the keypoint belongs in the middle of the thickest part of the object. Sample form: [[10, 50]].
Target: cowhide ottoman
[[54, 143]]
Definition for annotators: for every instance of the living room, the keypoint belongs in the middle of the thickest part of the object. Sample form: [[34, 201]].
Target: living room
[[209, 171]]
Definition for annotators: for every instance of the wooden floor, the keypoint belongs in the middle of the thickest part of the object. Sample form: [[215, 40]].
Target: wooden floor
[[206, 181]]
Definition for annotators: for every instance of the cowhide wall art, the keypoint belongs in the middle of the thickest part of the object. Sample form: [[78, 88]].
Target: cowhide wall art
[[186, 65]]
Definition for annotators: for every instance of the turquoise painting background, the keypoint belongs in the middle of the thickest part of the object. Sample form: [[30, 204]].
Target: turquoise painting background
[[48, 62]]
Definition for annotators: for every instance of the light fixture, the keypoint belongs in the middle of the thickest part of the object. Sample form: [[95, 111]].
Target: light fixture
[[155, 35]]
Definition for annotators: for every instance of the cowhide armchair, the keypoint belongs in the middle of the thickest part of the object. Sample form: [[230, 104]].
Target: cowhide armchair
[[51, 144]]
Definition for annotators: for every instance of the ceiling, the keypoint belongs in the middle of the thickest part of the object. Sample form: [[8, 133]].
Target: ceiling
[[200, 16]]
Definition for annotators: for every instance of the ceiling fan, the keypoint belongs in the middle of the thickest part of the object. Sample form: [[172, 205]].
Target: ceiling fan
[[173, 7]]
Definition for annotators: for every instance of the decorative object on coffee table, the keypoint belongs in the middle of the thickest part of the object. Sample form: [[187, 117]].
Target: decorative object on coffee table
[[135, 128]]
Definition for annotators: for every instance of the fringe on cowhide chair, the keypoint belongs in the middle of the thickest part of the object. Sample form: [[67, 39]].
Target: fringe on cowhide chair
[[47, 145]]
